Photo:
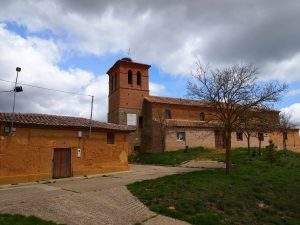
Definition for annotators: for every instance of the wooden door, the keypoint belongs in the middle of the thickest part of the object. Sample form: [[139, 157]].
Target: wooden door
[[61, 162], [219, 140]]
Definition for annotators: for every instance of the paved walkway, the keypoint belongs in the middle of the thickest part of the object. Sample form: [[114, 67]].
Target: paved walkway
[[93, 200]]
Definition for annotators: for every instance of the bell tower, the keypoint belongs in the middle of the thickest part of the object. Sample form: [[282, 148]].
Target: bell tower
[[128, 85]]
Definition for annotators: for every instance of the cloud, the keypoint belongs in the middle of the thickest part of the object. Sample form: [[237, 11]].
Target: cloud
[[38, 59], [156, 89], [294, 110], [171, 34], [294, 92]]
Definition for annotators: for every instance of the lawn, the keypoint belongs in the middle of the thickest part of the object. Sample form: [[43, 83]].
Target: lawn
[[175, 157], [254, 193], [8, 219]]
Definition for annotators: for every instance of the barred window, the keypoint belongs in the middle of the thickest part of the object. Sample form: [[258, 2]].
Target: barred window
[[181, 136]]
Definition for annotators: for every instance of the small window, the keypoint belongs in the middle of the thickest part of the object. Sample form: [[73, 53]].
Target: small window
[[111, 84], [141, 122], [181, 136], [110, 138], [202, 116], [129, 77], [261, 136], [139, 78], [116, 81], [239, 136], [168, 114]]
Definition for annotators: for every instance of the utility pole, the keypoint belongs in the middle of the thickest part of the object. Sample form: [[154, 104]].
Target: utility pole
[[18, 69], [91, 116]]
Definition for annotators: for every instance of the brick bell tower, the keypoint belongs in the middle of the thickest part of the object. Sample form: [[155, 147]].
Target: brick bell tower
[[128, 85]]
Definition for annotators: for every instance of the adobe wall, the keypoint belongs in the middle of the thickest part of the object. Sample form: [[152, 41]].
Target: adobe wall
[[293, 141], [28, 155]]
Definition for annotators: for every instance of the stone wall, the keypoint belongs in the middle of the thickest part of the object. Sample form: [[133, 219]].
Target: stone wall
[[28, 155], [202, 137]]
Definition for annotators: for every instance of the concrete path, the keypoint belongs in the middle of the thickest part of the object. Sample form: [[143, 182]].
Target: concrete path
[[93, 200], [205, 164]]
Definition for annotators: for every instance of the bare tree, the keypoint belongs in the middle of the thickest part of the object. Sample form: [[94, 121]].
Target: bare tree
[[247, 127], [285, 124], [232, 91]]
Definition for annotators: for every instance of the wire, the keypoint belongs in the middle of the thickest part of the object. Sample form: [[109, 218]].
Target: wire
[[49, 89]]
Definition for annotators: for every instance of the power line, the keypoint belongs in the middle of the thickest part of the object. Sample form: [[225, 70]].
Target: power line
[[49, 89]]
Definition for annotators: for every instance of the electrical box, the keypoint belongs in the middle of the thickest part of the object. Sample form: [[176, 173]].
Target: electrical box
[[80, 134], [78, 153]]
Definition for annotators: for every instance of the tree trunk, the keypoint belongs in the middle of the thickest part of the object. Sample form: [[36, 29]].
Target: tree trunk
[[228, 148], [259, 146], [284, 141], [248, 142]]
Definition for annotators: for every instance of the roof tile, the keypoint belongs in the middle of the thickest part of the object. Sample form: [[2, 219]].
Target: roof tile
[[60, 121]]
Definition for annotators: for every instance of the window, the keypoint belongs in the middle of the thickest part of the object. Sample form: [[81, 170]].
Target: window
[[129, 77], [239, 136], [116, 80], [168, 114], [111, 84], [201, 116], [180, 136], [139, 78], [261, 136], [141, 122], [110, 138]]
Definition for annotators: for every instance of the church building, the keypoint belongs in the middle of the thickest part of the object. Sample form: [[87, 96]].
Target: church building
[[168, 124]]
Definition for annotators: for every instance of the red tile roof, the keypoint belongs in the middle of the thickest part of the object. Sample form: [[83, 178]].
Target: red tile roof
[[175, 101], [60, 121], [191, 123], [125, 61]]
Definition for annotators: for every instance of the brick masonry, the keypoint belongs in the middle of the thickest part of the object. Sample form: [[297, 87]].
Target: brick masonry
[[28, 155], [127, 98]]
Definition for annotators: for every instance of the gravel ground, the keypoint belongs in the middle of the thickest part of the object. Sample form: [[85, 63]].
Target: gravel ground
[[93, 200]]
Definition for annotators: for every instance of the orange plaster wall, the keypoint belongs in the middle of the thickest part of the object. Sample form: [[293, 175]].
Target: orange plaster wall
[[28, 155]]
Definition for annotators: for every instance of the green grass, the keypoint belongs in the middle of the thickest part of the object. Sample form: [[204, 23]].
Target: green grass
[[255, 192], [8, 219], [175, 157]]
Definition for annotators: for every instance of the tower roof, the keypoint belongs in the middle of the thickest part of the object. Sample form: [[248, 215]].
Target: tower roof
[[127, 61]]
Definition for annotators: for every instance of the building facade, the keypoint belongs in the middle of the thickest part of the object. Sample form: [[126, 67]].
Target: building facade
[[43, 147], [168, 124]]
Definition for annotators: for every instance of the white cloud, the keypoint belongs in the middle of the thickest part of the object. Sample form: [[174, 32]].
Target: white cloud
[[294, 110], [294, 92], [171, 34], [288, 69], [156, 89], [38, 59]]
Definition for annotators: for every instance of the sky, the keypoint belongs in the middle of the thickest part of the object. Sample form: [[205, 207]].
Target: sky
[[70, 44]]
